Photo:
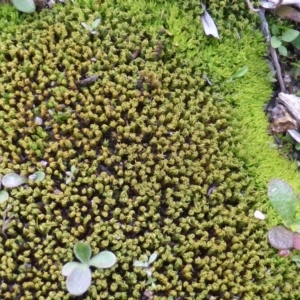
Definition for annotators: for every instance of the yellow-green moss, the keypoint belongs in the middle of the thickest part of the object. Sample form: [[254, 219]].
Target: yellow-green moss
[[165, 161]]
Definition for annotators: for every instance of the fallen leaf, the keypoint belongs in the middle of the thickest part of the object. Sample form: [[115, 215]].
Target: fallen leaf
[[209, 25], [240, 72]]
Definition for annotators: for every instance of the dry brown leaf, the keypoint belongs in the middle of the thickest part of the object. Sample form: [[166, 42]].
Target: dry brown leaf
[[209, 25], [288, 12], [282, 121]]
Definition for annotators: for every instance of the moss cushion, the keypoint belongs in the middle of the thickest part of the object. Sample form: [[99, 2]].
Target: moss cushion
[[171, 155]]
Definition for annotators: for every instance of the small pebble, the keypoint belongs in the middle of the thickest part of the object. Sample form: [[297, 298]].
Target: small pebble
[[38, 120], [259, 215]]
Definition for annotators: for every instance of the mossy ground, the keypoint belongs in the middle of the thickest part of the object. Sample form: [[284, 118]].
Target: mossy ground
[[165, 161]]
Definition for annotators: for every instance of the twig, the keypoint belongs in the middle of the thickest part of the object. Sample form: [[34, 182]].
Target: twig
[[278, 69], [266, 32], [6, 221], [87, 81]]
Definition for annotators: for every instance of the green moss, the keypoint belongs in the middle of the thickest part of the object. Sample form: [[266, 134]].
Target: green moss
[[164, 161]]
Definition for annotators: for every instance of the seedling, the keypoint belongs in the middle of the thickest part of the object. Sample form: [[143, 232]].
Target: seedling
[[79, 275], [151, 281], [61, 116], [146, 265], [70, 174], [239, 73], [280, 39], [13, 180], [286, 204], [91, 28]]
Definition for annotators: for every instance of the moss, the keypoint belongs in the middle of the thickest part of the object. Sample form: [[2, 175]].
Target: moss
[[165, 161]]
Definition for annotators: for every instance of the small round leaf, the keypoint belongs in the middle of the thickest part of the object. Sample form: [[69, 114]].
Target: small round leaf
[[282, 50], [83, 252], [40, 176], [274, 29], [26, 6], [275, 42], [104, 260], [12, 180], [69, 267], [3, 196], [290, 35], [79, 280], [283, 198]]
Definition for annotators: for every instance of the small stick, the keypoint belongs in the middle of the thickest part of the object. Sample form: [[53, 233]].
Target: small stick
[[278, 69], [87, 81], [266, 32], [6, 221]]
